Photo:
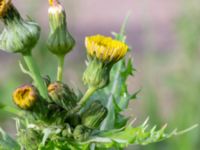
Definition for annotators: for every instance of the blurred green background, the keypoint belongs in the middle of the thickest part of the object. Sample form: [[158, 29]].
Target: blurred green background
[[165, 38]]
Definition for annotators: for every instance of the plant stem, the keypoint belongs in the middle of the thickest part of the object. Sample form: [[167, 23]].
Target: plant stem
[[36, 75], [83, 100], [87, 95], [60, 67], [11, 110]]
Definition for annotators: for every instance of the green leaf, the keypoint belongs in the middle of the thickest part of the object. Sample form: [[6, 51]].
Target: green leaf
[[121, 138], [7, 143], [117, 91]]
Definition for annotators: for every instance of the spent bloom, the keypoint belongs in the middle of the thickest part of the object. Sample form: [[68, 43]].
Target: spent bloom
[[25, 97]]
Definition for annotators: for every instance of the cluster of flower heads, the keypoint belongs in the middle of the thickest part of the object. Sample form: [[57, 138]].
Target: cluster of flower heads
[[49, 99]]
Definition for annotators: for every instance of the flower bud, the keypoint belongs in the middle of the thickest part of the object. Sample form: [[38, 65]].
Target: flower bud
[[103, 52], [67, 131], [62, 95], [94, 115], [26, 97], [60, 41], [18, 35], [81, 133], [96, 74], [27, 136]]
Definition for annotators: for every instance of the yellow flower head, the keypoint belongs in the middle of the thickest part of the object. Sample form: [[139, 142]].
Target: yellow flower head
[[105, 48], [4, 5], [53, 2], [25, 97]]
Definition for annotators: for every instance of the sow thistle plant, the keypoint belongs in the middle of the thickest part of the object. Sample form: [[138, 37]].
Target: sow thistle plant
[[50, 114]]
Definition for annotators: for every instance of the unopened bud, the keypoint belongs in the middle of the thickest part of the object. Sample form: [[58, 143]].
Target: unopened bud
[[94, 115], [62, 95], [27, 136], [26, 96], [81, 133], [60, 41], [67, 131], [18, 35]]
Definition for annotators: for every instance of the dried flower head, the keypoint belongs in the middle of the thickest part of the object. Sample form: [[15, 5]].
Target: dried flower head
[[105, 48], [4, 5], [26, 96]]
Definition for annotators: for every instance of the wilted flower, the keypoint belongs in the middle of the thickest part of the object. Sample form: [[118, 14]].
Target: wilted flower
[[18, 35], [26, 96], [60, 40], [102, 52]]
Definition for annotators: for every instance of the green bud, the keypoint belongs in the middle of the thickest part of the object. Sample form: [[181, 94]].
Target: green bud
[[67, 131], [60, 41], [62, 95], [25, 137], [18, 36], [96, 74], [94, 115], [81, 133]]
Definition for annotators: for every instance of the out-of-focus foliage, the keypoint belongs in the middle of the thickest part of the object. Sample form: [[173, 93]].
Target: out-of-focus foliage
[[181, 81]]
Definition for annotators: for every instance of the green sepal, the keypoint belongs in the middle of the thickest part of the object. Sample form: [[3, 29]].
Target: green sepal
[[94, 115], [81, 133], [67, 131], [60, 41], [18, 36], [97, 73], [29, 139], [62, 95]]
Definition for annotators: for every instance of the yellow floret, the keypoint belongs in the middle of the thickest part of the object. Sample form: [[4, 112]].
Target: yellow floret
[[105, 48], [53, 2], [4, 5], [25, 96]]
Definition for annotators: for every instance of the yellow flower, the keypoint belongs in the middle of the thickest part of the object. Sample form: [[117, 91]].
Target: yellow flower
[[4, 5], [53, 2], [26, 96], [105, 48]]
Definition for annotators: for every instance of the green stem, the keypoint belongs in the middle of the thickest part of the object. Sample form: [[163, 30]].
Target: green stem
[[86, 96], [83, 100], [60, 67], [10, 110], [36, 75]]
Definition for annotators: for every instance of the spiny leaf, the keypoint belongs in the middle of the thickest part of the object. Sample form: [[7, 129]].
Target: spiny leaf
[[7, 143], [117, 91], [121, 138]]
